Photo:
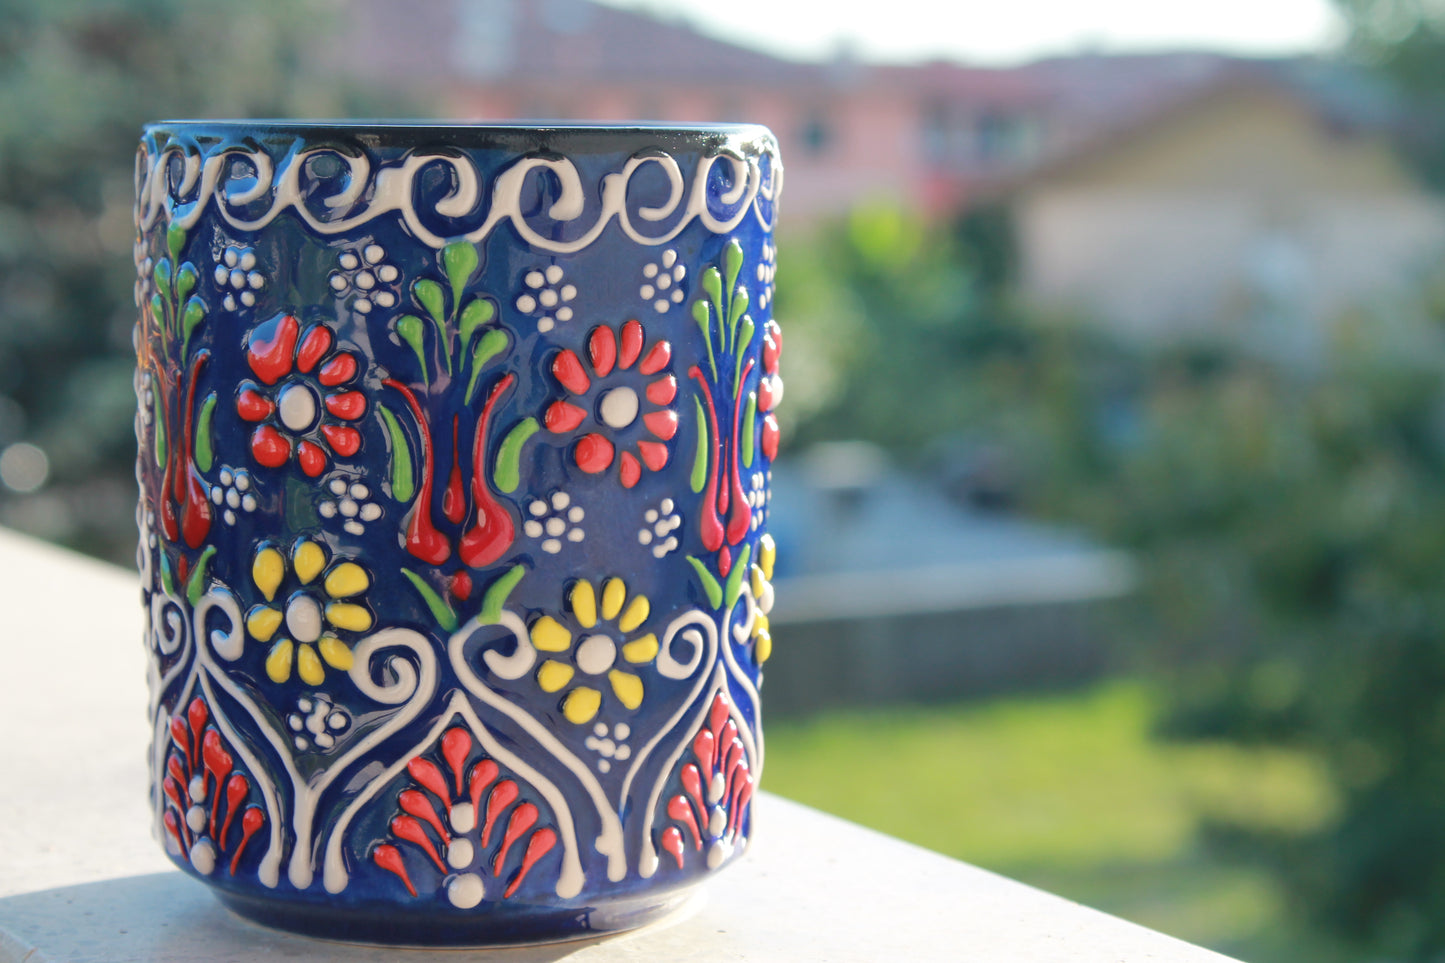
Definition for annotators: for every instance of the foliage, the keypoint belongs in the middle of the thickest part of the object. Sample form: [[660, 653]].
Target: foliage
[[1405, 41], [884, 300], [1071, 793], [1290, 519], [77, 80], [908, 337]]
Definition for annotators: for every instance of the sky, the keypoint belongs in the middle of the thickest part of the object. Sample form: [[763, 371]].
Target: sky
[[1001, 32]]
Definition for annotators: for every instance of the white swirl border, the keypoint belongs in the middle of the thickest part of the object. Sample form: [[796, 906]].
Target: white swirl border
[[390, 188]]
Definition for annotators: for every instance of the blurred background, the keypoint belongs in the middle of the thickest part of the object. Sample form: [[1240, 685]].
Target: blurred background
[[1112, 511]]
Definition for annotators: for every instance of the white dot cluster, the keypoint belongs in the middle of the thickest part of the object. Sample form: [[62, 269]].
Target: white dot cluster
[[236, 274], [662, 282], [352, 505], [555, 522], [232, 493], [145, 396], [609, 744], [143, 268], [363, 272], [760, 494], [767, 270], [317, 721], [144, 399], [546, 293], [658, 525]]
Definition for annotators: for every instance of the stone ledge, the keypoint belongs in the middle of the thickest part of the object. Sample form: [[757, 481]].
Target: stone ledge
[[81, 881]]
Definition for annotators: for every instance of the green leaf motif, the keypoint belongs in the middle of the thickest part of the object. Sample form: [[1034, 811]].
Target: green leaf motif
[[507, 474], [712, 284], [410, 329], [160, 439], [741, 340], [749, 416], [460, 260], [168, 578], [185, 281], [175, 240], [403, 484], [196, 584], [493, 343], [699, 461], [477, 313], [205, 457], [429, 295], [709, 584], [739, 305], [194, 314], [440, 609], [733, 259], [497, 593], [162, 277], [700, 315], [158, 311], [748, 330], [735, 577]]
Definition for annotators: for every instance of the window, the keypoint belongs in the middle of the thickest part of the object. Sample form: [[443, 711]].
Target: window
[[816, 133], [960, 136], [994, 137]]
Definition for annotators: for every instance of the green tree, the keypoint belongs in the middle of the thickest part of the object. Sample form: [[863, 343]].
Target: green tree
[[1405, 41], [907, 334]]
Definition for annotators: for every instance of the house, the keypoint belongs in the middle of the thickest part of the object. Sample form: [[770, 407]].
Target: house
[[921, 137], [1260, 200], [1162, 193]]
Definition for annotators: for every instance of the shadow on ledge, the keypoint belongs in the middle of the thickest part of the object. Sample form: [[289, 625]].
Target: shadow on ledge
[[170, 918]]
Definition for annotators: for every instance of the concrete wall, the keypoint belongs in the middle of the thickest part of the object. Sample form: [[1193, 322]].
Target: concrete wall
[[937, 657]]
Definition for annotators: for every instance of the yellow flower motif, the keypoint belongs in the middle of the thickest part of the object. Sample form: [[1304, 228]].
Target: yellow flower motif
[[760, 578], [306, 644], [596, 653]]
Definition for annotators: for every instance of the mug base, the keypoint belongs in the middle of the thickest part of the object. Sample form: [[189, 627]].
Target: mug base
[[511, 925]]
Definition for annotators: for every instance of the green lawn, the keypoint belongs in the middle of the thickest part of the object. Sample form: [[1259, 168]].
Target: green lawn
[[1073, 794]]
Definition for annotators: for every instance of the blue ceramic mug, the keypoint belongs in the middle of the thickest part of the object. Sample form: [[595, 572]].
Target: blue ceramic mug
[[454, 457]]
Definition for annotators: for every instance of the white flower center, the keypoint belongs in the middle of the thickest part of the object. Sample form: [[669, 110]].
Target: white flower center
[[298, 407], [596, 654], [303, 619], [619, 407]]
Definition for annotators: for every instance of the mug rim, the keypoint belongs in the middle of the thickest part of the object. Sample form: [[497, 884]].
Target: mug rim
[[508, 134]]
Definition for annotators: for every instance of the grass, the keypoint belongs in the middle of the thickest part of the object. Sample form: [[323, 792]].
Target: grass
[[1071, 793]]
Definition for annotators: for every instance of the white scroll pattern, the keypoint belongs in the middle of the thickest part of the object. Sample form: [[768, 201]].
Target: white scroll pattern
[[237, 178]]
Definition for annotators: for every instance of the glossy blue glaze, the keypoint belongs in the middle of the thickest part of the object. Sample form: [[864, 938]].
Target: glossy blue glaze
[[409, 395]]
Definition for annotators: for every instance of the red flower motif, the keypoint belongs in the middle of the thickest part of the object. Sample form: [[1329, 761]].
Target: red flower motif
[[288, 406], [618, 407]]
